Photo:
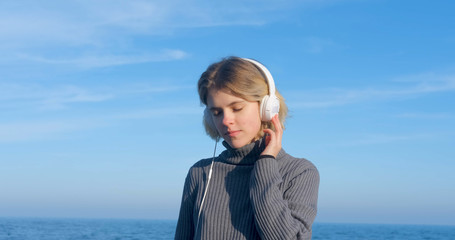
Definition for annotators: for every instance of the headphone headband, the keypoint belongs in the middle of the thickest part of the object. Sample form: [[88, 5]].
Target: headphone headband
[[268, 75]]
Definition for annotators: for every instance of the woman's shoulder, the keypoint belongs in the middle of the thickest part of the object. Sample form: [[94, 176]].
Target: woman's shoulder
[[200, 165], [293, 164], [198, 169]]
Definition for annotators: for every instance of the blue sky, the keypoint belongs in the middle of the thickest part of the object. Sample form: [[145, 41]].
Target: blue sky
[[100, 118]]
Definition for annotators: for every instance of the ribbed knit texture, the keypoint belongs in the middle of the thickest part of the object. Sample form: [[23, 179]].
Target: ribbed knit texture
[[249, 198]]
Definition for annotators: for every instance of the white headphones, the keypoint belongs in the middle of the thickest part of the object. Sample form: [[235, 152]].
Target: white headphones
[[270, 104]]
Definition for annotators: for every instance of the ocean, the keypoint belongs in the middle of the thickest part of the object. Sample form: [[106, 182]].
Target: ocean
[[114, 229]]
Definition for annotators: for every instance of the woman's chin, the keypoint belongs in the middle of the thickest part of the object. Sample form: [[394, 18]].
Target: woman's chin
[[237, 143]]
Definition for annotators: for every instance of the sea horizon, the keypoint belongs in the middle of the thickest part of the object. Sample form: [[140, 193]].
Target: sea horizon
[[175, 220], [53, 228]]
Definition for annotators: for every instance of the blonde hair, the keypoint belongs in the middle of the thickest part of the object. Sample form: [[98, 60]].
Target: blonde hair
[[241, 79]]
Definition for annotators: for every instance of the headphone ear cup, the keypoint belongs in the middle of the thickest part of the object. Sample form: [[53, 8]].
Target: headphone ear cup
[[208, 122], [270, 106], [262, 108]]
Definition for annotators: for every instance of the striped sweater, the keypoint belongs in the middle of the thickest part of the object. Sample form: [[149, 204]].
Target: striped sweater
[[250, 197]]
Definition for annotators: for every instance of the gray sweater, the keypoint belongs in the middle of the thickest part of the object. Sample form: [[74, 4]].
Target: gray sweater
[[250, 197]]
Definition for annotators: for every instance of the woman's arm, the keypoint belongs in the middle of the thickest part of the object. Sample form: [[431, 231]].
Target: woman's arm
[[287, 213]]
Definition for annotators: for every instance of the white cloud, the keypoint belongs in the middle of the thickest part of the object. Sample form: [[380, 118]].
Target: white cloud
[[105, 27], [153, 113], [381, 138], [152, 88], [41, 97], [415, 86], [88, 22], [35, 130], [31, 131], [37, 96], [421, 115], [110, 60]]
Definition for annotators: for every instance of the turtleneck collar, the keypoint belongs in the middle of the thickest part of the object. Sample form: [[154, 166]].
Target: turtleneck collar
[[245, 155]]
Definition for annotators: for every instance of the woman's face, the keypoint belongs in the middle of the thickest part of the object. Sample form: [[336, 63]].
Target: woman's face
[[236, 119]]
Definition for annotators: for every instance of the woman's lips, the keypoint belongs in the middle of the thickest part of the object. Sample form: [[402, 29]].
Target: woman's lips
[[233, 133]]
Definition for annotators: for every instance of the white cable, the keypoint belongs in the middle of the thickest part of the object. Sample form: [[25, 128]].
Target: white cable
[[206, 188]]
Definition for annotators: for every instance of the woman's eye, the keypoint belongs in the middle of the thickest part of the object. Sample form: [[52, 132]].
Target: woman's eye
[[215, 113], [237, 109]]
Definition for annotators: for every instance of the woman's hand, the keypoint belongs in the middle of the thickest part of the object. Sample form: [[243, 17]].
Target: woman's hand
[[273, 139]]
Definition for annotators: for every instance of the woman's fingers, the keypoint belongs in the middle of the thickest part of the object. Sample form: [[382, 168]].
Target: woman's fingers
[[276, 122], [273, 138], [270, 136], [278, 128]]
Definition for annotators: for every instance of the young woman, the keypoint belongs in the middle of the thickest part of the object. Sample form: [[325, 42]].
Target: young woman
[[253, 189]]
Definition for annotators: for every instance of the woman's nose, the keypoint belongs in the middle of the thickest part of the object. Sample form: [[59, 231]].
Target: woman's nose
[[228, 119]]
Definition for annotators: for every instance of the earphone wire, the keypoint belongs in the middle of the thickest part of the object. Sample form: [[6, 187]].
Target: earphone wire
[[206, 187]]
